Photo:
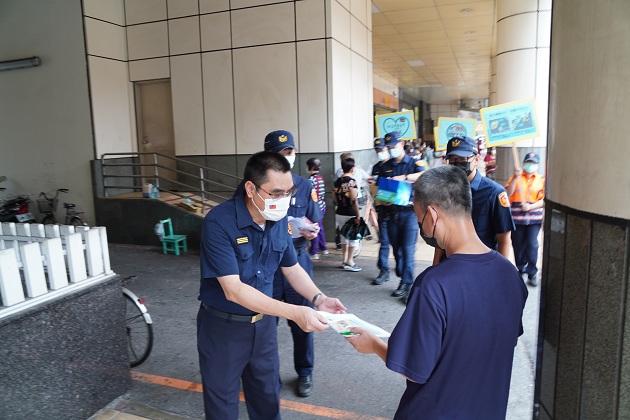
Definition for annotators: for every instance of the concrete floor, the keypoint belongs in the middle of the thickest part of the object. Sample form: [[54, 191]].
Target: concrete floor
[[347, 385]]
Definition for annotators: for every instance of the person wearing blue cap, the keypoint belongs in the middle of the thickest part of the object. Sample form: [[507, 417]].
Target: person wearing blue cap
[[383, 254], [526, 189], [491, 213], [244, 242], [402, 224], [303, 203]]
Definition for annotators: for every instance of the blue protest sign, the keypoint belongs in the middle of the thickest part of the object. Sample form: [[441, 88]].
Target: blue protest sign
[[403, 122]]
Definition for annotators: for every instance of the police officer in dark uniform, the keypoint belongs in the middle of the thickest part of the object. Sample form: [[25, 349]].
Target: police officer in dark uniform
[[303, 204], [491, 212], [244, 241], [383, 254], [402, 224]]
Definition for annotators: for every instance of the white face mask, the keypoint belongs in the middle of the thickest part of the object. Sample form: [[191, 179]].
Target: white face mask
[[530, 168], [275, 208], [394, 153], [291, 160], [382, 155]]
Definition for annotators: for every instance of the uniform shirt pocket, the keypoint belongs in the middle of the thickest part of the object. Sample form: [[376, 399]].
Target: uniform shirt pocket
[[246, 263]]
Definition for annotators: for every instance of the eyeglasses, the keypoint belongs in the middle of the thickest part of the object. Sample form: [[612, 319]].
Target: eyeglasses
[[277, 195]]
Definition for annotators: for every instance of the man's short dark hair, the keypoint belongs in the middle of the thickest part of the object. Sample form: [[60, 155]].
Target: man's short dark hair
[[258, 165], [347, 165], [446, 187]]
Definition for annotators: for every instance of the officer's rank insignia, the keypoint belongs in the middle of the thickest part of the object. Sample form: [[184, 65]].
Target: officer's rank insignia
[[456, 143], [282, 139], [243, 240], [314, 195], [504, 200]]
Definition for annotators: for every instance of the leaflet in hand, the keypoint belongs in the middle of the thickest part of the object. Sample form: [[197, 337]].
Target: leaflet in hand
[[301, 224], [342, 323]]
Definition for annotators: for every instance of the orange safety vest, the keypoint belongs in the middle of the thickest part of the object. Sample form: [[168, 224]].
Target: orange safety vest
[[535, 189]]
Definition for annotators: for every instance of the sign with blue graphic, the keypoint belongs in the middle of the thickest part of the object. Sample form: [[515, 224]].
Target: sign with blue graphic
[[453, 127], [403, 122], [510, 122]]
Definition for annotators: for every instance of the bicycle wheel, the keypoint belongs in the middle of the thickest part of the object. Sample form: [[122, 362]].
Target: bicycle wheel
[[48, 220], [139, 333], [76, 221]]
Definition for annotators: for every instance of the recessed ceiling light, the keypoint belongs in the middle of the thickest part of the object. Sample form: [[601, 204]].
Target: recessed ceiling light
[[470, 41], [416, 63], [470, 32], [466, 10], [387, 60]]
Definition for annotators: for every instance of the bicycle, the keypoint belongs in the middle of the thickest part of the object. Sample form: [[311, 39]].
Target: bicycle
[[138, 326], [47, 204]]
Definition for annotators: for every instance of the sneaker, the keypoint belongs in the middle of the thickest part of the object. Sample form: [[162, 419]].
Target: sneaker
[[325, 252], [343, 265], [314, 256], [338, 247], [402, 291], [352, 268], [383, 276], [532, 280], [304, 386]]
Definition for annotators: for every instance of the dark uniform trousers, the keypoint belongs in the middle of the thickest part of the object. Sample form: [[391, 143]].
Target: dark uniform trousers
[[240, 350], [303, 343], [525, 242], [402, 229]]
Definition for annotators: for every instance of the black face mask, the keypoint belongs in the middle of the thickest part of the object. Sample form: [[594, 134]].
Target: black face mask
[[430, 241], [464, 166]]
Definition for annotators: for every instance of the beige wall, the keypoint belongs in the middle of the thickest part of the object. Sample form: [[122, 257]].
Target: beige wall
[[588, 146], [45, 124], [304, 66]]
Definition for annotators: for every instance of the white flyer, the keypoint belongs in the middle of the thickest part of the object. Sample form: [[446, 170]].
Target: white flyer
[[343, 322]]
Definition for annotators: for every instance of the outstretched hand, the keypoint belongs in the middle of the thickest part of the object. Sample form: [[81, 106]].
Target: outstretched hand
[[332, 305], [308, 319], [363, 341]]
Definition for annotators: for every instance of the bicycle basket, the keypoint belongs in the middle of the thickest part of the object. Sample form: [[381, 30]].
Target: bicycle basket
[[44, 205]]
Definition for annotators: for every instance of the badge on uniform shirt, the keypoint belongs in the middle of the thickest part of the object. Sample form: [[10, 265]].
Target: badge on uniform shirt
[[504, 200], [314, 195], [243, 240]]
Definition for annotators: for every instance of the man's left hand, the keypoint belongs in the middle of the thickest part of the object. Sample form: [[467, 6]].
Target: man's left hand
[[332, 305]]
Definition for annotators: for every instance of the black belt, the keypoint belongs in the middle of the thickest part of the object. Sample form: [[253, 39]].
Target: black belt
[[232, 317], [402, 208]]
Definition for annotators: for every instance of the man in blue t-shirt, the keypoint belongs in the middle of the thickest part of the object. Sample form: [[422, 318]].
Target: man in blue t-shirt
[[455, 341]]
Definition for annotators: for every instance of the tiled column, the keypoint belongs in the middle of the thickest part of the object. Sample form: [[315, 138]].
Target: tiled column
[[583, 368], [520, 70]]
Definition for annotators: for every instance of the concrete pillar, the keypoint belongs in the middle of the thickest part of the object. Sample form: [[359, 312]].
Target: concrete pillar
[[521, 70], [583, 368]]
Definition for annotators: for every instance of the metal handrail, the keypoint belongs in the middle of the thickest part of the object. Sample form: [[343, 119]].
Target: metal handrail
[[202, 176]]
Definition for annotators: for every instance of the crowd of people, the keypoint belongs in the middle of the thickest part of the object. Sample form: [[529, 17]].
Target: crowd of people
[[256, 267]]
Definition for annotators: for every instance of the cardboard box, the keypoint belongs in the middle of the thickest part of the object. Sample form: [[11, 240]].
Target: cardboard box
[[395, 192]]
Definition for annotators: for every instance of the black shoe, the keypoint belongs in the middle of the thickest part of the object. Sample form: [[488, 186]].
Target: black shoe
[[403, 290], [532, 280], [405, 299], [383, 276], [304, 386]]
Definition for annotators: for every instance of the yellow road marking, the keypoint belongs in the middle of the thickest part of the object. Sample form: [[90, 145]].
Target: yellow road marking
[[326, 412]]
